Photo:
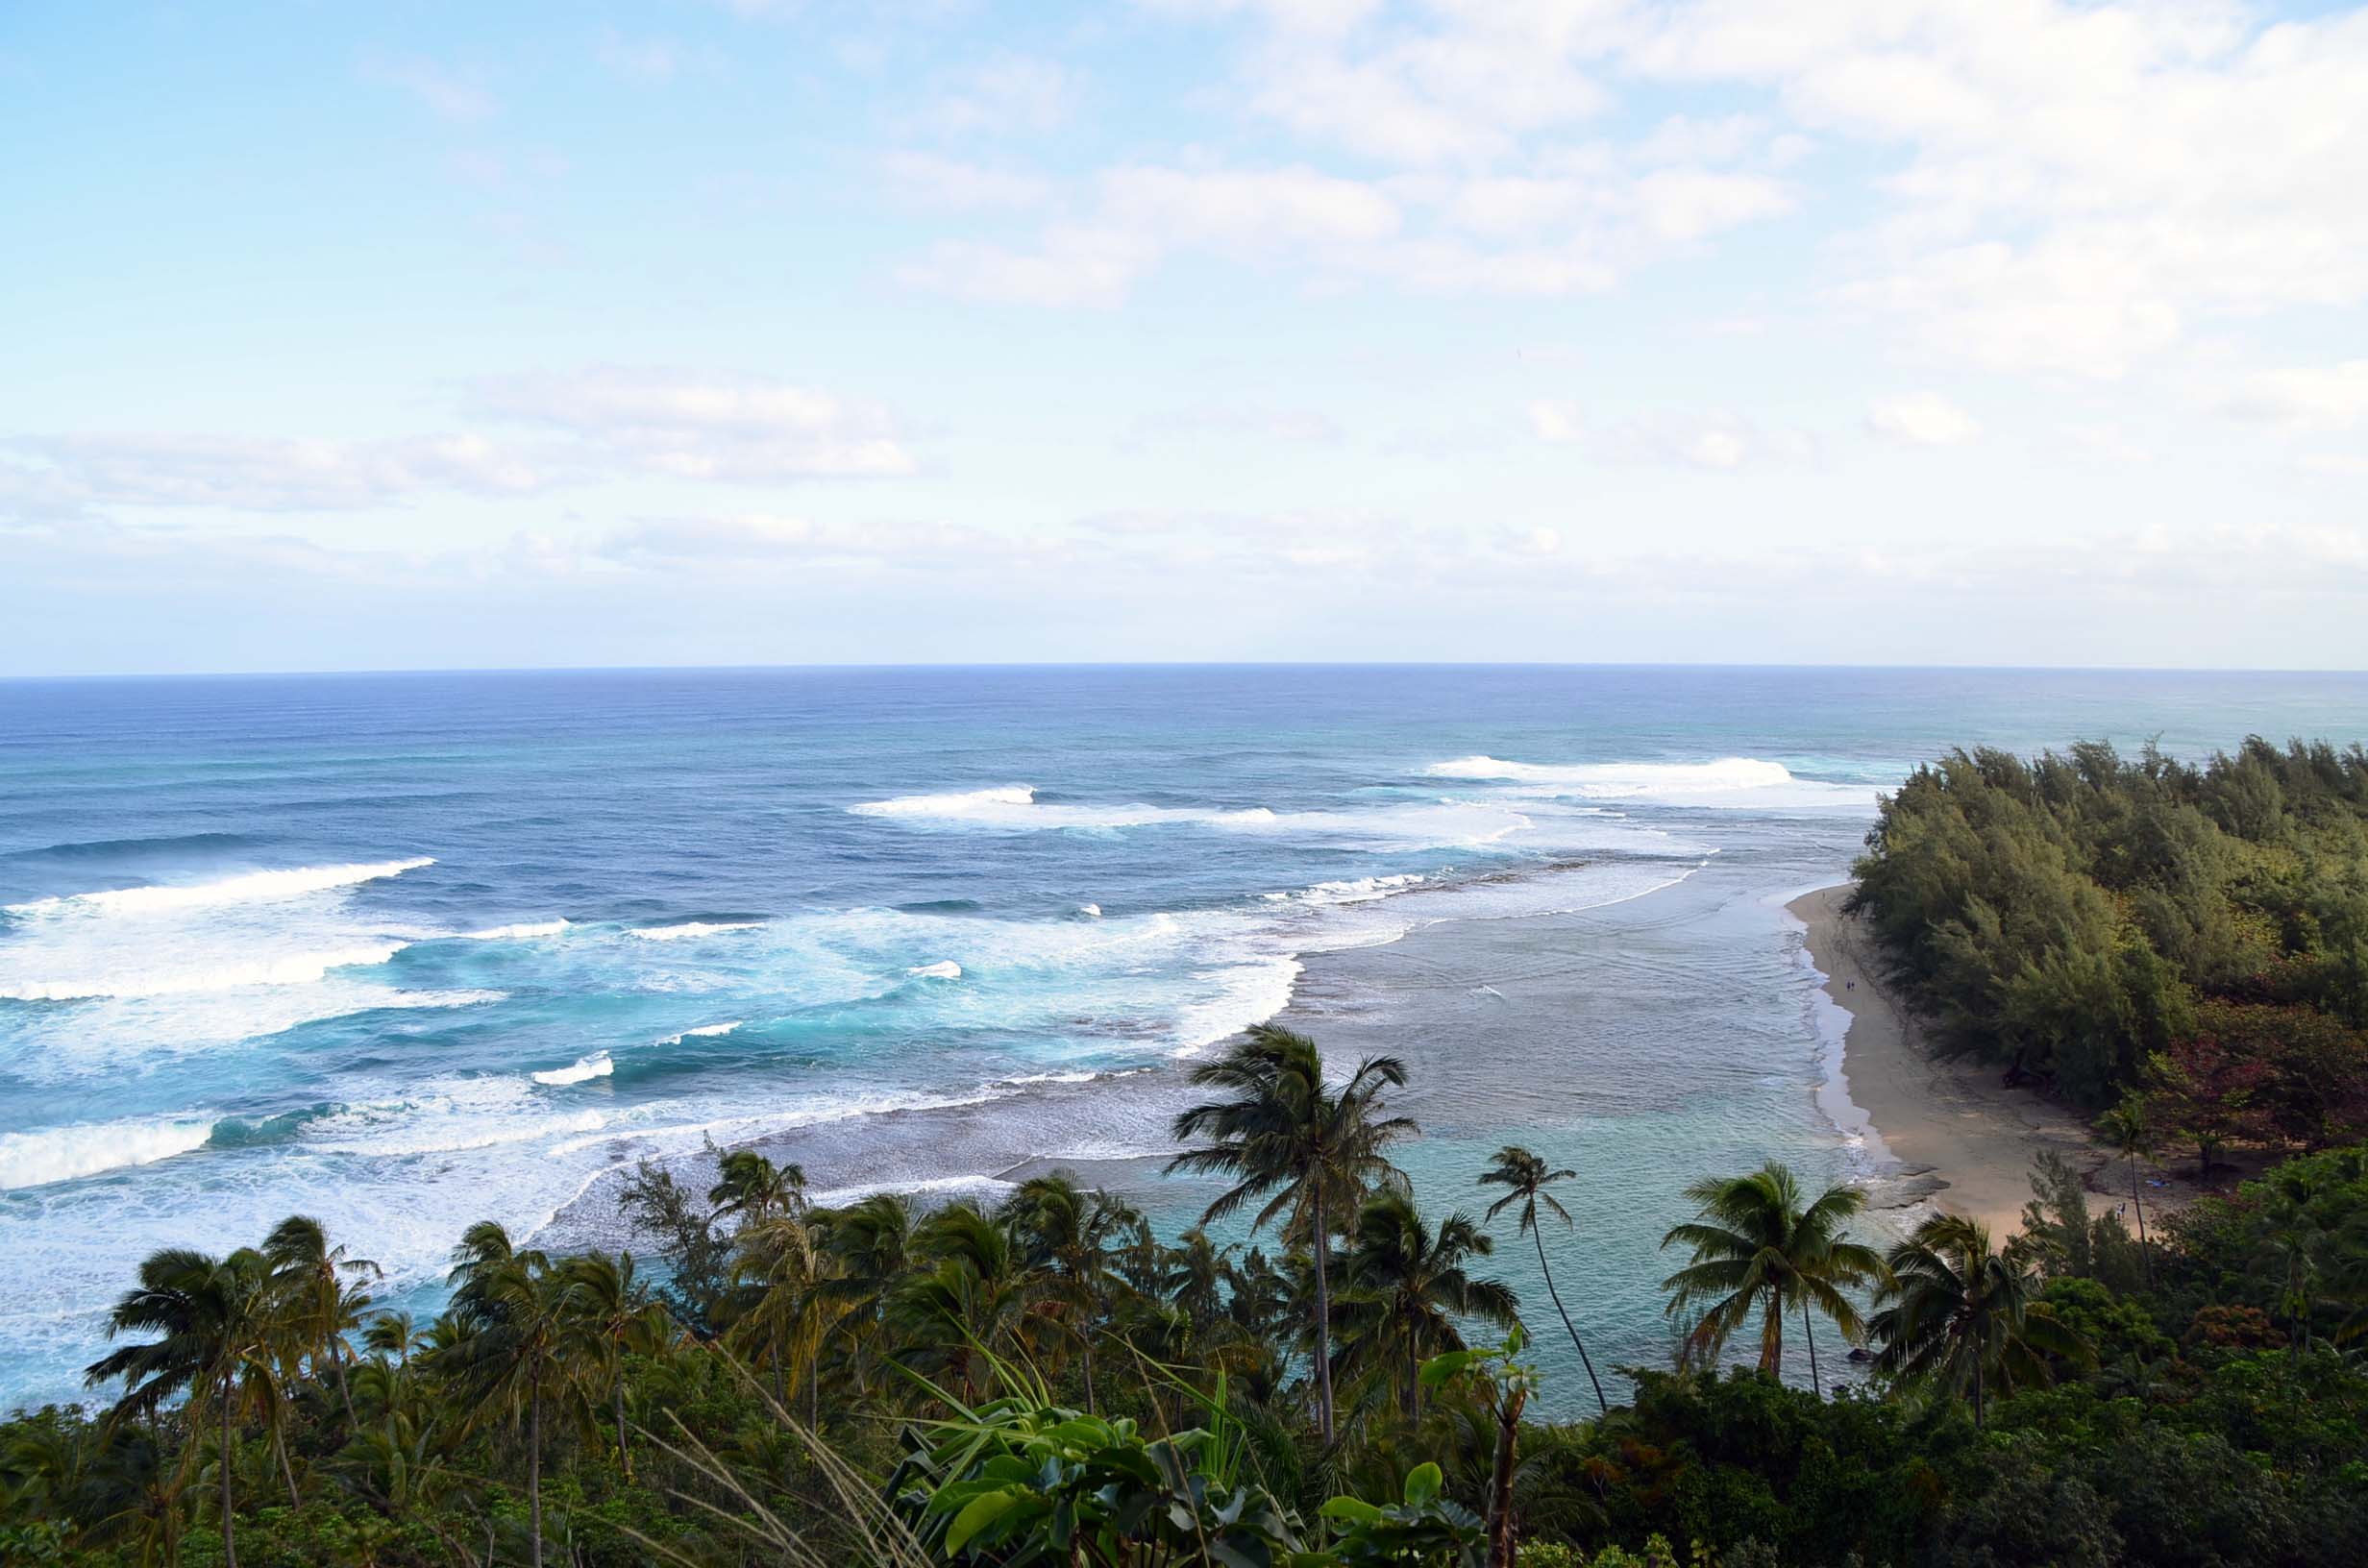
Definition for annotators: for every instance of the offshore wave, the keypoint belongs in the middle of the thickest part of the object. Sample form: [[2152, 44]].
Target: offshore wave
[[582, 1070], [288, 969], [705, 1031], [1014, 808], [688, 929], [522, 932], [1748, 782], [63, 1154], [250, 886]]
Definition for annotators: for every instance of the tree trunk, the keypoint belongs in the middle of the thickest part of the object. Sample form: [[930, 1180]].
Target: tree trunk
[[534, 1474], [1601, 1403], [336, 1364], [624, 1454], [1323, 1240], [1809, 1332], [1772, 1339], [230, 1543], [2137, 1201], [1981, 1408], [287, 1471], [1414, 1382], [1501, 1481], [1088, 1373]]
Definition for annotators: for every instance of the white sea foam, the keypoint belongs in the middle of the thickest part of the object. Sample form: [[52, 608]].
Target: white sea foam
[[249, 888], [702, 1031], [1244, 994], [1403, 824], [1738, 782], [60, 1154], [691, 928], [215, 974], [1089, 911], [948, 970], [583, 1070], [516, 933]]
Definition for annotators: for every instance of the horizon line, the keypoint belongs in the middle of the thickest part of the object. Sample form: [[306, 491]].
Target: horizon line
[[1054, 665]]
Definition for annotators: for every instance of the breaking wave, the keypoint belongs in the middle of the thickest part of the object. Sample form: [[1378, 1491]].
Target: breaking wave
[[583, 1070], [1746, 782], [251, 887], [60, 1154]]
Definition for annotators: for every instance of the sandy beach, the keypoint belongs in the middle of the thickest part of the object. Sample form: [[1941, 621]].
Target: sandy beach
[[1959, 1136]]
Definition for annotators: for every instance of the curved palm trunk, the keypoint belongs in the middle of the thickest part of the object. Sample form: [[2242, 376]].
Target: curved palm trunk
[[336, 1364], [1603, 1404], [1809, 1332], [534, 1474], [1323, 1240], [229, 1542], [1772, 1338], [1088, 1373], [287, 1471]]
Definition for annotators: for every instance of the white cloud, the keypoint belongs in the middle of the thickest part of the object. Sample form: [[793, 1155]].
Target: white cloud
[[697, 426], [2310, 397], [1012, 93], [278, 474], [446, 93], [637, 59], [1921, 419], [935, 182], [1558, 424]]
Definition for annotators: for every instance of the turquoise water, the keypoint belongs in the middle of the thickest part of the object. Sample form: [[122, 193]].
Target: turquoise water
[[404, 951]]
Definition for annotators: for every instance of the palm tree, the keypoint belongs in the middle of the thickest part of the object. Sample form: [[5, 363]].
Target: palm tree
[[1966, 1315], [2126, 1128], [1757, 1245], [1313, 1152], [1404, 1286], [1195, 1282], [869, 1248], [516, 1308], [213, 1321], [321, 1293], [1525, 1178], [609, 1315], [755, 1187], [1068, 1234], [970, 1300]]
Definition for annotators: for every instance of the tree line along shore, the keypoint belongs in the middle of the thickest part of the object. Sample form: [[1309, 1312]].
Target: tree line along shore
[[2179, 951]]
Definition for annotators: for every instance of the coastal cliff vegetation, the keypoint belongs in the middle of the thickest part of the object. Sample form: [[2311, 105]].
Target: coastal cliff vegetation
[[2185, 944], [1046, 1381]]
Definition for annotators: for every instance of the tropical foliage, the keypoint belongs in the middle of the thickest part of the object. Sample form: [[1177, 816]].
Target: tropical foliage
[[1045, 1380]]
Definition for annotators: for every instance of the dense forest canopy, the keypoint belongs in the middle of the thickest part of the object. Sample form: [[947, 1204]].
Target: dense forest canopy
[[2199, 933], [1045, 1382]]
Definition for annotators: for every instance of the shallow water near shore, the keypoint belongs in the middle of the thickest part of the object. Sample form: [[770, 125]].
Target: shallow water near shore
[[407, 951]]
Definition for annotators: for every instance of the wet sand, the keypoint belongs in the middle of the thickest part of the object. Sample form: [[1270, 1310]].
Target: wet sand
[[1959, 1136]]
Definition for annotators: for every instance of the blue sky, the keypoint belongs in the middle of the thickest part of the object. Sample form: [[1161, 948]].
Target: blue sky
[[1996, 331]]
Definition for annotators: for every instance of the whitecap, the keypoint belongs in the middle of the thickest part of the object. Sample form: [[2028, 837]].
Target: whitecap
[[703, 1031], [60, 1154], [247, 887], [1740, 782], [288, 970], [948, 970], [691, 928], [583, 1070], [516, 933]]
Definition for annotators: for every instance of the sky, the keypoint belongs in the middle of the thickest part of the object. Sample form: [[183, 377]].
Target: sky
[[793, 331]]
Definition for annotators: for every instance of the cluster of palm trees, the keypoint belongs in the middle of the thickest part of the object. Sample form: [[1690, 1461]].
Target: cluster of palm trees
[[879, 1306], [1952, 1307]]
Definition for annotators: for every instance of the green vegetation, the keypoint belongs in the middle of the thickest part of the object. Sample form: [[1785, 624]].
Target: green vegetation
[[1047, 1382], [2194, 936]]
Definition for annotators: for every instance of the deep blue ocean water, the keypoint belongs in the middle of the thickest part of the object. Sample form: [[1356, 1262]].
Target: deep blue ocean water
[[404, 951]]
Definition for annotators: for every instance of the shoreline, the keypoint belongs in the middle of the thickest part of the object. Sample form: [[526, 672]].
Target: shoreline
[[1942, 1132]]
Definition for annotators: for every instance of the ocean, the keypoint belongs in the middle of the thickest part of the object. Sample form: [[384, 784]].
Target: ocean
[[405, 952]]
